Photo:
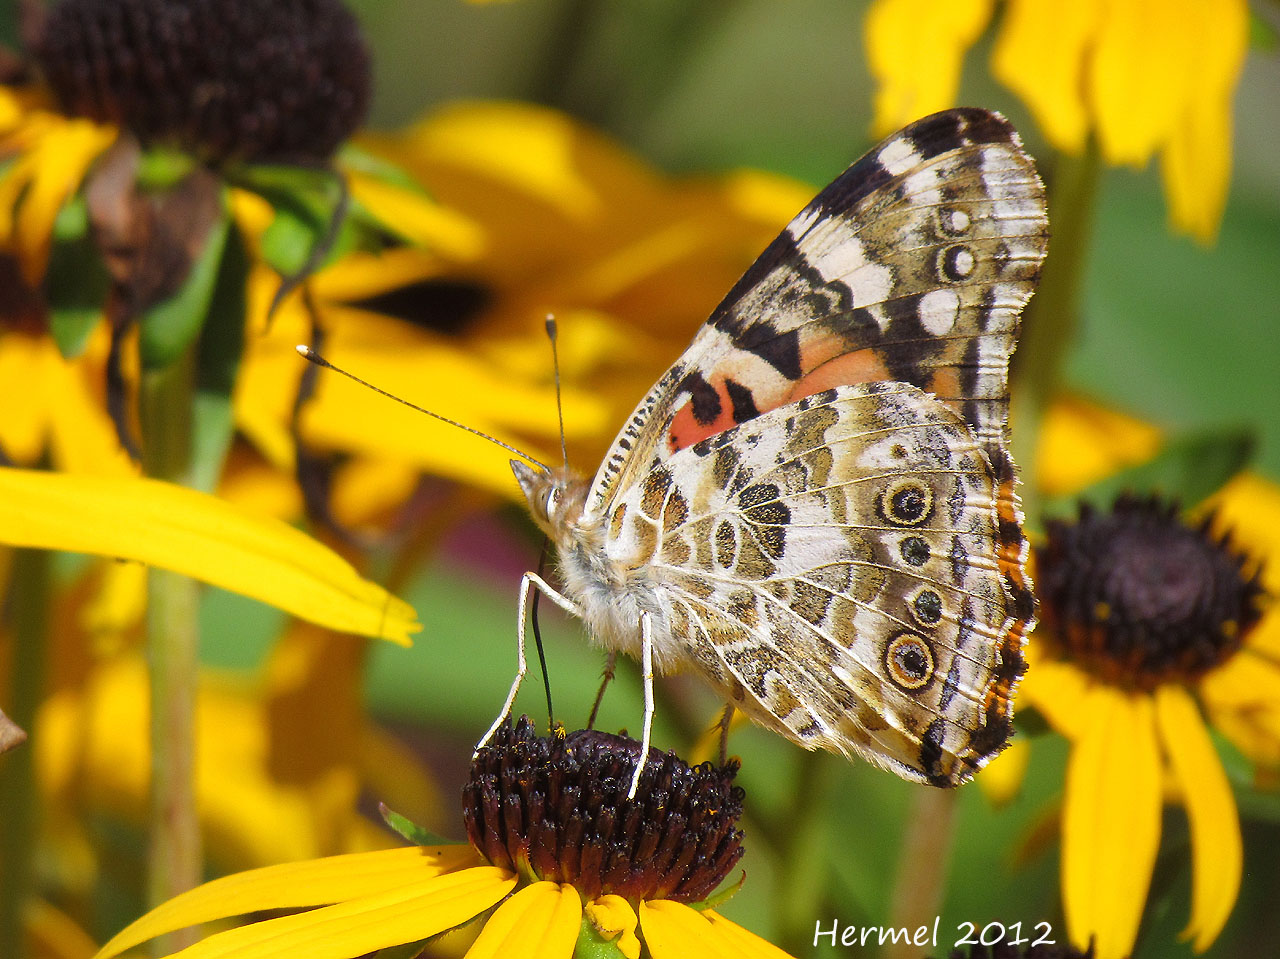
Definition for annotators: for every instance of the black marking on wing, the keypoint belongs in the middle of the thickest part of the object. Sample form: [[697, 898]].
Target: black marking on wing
[[703, 396], [744, 406]]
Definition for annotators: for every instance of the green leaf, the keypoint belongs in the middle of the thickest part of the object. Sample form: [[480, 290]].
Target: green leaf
[[217, 363], [306, 202], [1188, 468], [410, 830], [361, 161], [406, 950], [76, 282], [161, 168], [170, 326]]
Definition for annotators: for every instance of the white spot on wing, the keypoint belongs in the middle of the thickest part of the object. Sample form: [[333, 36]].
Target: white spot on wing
[[898, 156], [939, 310], [843, 259]]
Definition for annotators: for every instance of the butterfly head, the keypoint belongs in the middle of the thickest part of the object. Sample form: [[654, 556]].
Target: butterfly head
[[556, 496]]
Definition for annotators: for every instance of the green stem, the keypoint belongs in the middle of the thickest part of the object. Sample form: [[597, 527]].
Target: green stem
[[920, 885], [803, 855], [173, 644], [29, 612], [1051, 320]]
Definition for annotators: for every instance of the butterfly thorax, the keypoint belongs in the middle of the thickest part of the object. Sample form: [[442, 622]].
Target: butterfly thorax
[[610, 593]]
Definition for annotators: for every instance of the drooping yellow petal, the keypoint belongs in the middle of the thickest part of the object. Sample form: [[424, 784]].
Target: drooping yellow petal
[[366, 924], [1216, 847], [616, 922], [296, 885], [540, 921], [175, 528], [1144, 63], [1040, 54], [1111, 821], [915, 51], [1196, 160], [672, 930], [745, 945]]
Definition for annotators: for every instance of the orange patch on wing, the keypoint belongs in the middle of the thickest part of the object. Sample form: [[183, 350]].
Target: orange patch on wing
[[686, 429], [860, 366], [945, 384]]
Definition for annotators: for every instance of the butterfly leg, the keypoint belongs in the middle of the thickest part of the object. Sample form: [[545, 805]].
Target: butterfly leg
[[726, 719], [527, 585], [605, 679], [646, 665]]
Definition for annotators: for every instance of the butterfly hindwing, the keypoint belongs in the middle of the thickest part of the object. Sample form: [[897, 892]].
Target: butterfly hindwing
[[829, 567]]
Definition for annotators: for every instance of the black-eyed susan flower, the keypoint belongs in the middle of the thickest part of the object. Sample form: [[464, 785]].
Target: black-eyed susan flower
[[560, 863], [1150, 626], [1143, 81]]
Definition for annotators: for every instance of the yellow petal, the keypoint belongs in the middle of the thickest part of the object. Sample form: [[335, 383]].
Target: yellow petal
[[52, 934], [1249, 506], [1001, 779], [1216, 850], [1111, 822], [616, 922], [1081, 443], [915, 49], [1196, 161], [540, 921], [364, 925], [1058, 690], [673, 931], [744, 944], [297, 885], [420, 219], [1040, 54], [57, 164], [175, 528]]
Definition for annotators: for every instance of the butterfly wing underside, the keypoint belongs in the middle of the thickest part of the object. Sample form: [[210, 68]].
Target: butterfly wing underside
[[829, 566], [899, 287]]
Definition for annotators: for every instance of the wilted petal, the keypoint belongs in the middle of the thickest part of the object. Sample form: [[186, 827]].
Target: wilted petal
[[1111, 820], [1216, 848], [915, 49], [200, 536]]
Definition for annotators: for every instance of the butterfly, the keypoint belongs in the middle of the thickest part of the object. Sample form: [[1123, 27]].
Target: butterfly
[[814, 508]]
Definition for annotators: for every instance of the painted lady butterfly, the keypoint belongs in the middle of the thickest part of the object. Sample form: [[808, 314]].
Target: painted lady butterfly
[[814, 508]]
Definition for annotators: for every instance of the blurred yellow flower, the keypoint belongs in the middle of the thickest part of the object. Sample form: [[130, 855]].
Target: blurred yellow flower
[[1144, 80], [628, 261], [1150, 629]]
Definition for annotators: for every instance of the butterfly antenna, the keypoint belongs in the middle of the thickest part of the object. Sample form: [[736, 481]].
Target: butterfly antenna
[[555, 366], [320, 361]]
